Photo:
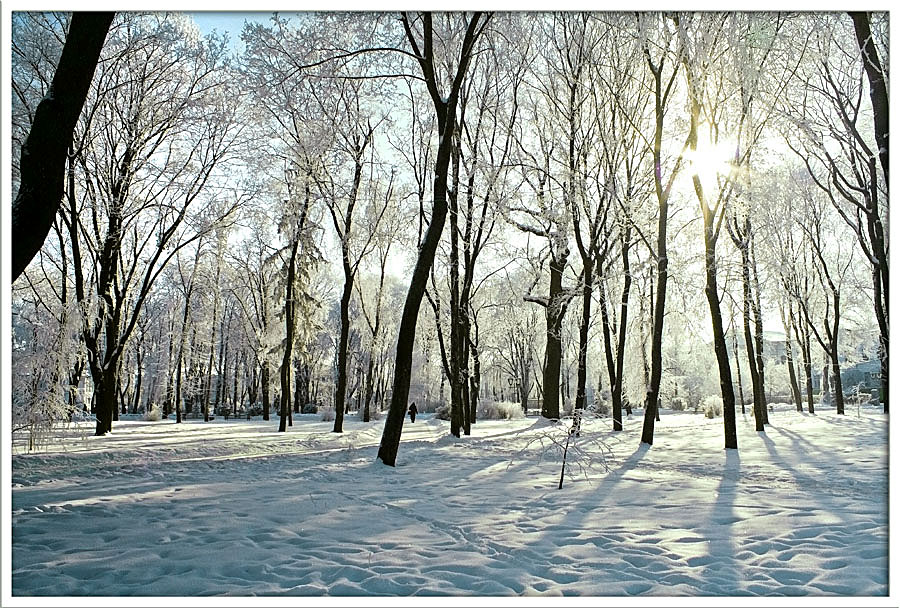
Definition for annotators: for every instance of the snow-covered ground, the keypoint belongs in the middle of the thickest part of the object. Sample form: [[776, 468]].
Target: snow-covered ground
[[235, 508]]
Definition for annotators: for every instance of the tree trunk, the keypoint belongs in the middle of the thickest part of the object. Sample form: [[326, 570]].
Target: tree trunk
[[789, 355], [43, 154], [581, 385], [618, 384], [445, 110], [554, 313], [285, 406], [457, 413], [757, 326], [659, 311], [341, 389], [712, 297], [758, 406], [264, 381], [877, 86]]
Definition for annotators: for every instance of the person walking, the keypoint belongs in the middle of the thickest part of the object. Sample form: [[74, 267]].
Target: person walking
[[413, 410]]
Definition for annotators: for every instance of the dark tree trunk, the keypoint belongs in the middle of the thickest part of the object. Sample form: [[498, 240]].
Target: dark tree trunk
[[457, 410], [584, 325], [757, 326], [554, 313], [341, 388], [661, 95], [877, 86], [833, 353], [758, 406], [789, 356], [104, 400], [445, 110], [737, 367], [474, 383], [43, 159], [618, 383], [740, 235], [659, 311], [725, 385], [135, 404], [264, 382], [285, 406], [369, 387]]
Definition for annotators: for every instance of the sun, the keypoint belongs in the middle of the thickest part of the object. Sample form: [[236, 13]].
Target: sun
[[712, 160]]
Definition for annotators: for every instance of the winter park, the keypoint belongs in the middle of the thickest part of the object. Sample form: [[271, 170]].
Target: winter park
[[362, 305]]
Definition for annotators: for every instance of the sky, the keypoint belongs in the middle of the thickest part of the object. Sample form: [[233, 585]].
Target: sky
[[231, 22]]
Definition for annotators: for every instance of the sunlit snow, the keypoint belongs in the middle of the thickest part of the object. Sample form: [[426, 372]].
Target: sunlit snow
[[235, 508]]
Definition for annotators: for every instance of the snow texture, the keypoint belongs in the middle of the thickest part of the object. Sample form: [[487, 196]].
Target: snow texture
[[235, 508]]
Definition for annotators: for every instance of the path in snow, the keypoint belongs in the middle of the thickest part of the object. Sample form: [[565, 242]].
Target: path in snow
[[237, 508]]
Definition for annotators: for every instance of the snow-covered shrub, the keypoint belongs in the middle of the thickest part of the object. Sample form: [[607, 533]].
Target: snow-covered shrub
[[677, 404], [309, 408], [327, 413], [442, 411], [43, 353], [374, 413], [600, 407], [154, 414], [499, 410], [712, 406]]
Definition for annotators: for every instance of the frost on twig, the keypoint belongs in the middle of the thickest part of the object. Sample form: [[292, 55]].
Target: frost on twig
[[587, 452]]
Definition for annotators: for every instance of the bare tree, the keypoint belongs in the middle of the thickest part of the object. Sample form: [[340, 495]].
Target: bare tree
[[422, 43], [42, 166]]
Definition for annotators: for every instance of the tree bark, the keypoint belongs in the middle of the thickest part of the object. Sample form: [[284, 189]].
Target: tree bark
[[43, 159], [341, 389], [285, 406], [877, 86], [587, 289], [445, 109], [725, 385], [554, 313]]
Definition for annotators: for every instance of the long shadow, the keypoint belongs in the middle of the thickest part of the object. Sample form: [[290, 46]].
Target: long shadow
[[832, 492], [608, 539], [722, 571]]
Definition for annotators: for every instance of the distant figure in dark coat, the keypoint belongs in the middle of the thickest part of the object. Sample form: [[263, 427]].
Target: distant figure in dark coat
[[413, 410]]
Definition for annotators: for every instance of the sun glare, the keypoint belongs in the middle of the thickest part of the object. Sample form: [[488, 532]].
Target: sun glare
[[712, 160]]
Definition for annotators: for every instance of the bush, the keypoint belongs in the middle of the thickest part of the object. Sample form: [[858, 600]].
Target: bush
[[712, 406], [601, 407], [327, 414], [374, 413], [442, 411], [499, 410], [154, 415], [311, 408], [677, 404]]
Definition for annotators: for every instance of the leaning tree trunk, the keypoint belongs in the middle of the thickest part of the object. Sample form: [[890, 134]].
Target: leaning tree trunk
[[43, 158], [445, 110], [721, 350], [659, 311]]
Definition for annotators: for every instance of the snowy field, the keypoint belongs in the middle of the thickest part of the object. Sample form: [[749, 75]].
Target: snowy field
[[235, 508]]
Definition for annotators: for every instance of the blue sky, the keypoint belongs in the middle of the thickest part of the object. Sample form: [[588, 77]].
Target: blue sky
[[227, 21]]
